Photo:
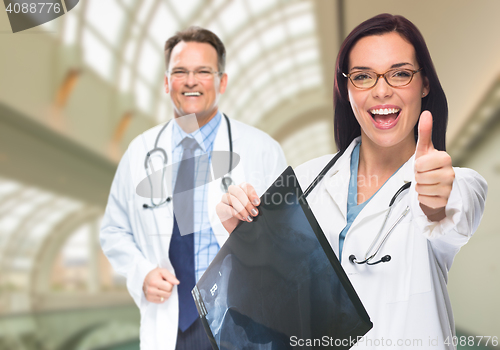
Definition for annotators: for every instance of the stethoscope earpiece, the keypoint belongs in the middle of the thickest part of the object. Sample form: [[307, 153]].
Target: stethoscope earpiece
[[147, 206], [385, 258]]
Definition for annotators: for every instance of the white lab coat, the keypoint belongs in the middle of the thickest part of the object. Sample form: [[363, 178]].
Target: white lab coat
[[136, 240], [406, 298]]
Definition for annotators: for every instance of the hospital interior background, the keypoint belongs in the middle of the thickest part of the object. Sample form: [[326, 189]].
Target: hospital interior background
[[75, 91]]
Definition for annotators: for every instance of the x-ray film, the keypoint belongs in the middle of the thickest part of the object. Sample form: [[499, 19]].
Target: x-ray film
[[277, 280]]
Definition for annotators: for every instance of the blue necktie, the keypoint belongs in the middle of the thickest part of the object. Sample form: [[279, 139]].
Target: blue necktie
[[181, 251]]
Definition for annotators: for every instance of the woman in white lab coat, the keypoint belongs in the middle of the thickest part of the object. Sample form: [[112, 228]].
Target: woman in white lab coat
[[390, 124]]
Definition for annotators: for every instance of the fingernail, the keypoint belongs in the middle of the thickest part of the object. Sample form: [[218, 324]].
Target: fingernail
[[249, 218], [254, 212], [255, 202]]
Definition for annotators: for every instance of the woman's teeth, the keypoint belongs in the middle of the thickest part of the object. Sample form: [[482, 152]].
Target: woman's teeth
[[384, 111], [385, 117]]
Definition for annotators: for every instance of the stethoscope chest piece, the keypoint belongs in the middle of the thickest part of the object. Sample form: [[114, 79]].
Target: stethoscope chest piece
[[225, 182]]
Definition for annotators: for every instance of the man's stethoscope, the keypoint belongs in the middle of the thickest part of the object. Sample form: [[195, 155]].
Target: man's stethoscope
[[368, 256], [226, 181]]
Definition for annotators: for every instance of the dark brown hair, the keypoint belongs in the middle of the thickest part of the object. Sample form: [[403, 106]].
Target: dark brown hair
[[199, 35], [346, 126]]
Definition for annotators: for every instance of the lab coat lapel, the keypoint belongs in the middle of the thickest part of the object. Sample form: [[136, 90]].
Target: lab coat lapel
[[337, 179], [165, 143], [163, 215]]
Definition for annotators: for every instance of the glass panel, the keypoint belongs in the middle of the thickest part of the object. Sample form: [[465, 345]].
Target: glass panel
[[128, 3], [274, 35], [185, 8], [241, 39], [162, 26], [144, 10], [106, 17], [75, 250], [216, 28], [243, 98], [297, 8], [7, 187], [283, 67], [270, 100], [232, 69], [143, 96], [130, 50], [96, 54], [149, 62], [260, 80], [259, 6], [312, 81], [300, 24], [307, 56], [249, 52], [70, 28], [233, 16]]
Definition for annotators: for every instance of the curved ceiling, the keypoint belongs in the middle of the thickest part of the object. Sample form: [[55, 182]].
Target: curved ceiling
[[272, 49]]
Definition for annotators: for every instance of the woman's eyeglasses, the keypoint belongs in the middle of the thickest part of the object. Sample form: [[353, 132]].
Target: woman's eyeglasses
[[394, 77]]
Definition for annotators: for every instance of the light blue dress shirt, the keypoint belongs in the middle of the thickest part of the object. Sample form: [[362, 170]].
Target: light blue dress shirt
[[205, 243]]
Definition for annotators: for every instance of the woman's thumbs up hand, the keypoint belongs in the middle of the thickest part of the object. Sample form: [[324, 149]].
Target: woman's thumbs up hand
[[434, 173]]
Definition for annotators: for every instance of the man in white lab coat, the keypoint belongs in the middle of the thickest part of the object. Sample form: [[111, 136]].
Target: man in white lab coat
[[143, 241]]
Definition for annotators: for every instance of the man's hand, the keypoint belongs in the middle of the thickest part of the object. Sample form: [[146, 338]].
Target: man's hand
[[158, 285], [434, 173]]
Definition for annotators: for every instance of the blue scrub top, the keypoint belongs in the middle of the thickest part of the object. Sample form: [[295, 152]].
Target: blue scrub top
[[353, 209]]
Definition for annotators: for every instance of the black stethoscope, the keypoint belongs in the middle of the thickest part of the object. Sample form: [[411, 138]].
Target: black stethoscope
[[226, 181], [369, 255]]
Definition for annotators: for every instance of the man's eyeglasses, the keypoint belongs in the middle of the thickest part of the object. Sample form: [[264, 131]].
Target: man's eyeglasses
[[199, 74], [394, 77]]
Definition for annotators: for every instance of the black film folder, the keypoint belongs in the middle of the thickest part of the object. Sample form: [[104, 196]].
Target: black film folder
[[277, 280]]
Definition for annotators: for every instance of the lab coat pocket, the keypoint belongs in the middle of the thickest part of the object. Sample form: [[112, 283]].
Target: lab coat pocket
[[408, 272]]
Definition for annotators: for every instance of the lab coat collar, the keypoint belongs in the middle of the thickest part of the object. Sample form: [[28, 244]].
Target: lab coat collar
[[337, 178], [337, 185]]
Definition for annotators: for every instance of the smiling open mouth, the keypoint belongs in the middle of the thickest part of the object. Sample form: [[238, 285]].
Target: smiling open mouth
[[192, 93], [385, 117]]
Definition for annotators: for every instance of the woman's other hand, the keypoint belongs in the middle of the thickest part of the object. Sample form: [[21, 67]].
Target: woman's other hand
[[239, 204], [434, 173]]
